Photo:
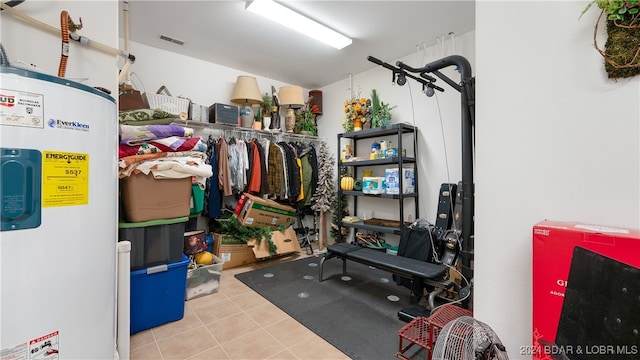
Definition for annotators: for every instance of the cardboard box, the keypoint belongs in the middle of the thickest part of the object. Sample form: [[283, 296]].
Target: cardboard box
[[232, 251], [255, 211], [204, 280], [286, 243], [145, 198], [195, 241], [554, 244], [235, 253]]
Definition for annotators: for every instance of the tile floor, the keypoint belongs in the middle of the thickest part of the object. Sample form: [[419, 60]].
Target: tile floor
[[233, 323]]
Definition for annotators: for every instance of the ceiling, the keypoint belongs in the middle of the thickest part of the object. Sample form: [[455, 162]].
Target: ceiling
[[224, 33]]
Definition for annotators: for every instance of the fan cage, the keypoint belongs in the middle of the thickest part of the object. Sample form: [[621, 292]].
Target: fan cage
[[466, 338]]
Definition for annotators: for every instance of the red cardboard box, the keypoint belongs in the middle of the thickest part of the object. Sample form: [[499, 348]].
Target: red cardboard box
[[553, 246]]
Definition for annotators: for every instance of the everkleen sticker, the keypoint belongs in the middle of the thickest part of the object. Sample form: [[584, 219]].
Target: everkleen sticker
[[19, 108], [65, 178]]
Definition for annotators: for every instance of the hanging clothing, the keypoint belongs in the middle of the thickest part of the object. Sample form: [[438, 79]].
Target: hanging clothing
[[284, 191], [255, 179], [264, 181], [313, 162], [212, 197], [275, 171], [293, 172], [249, 165], [244, 156], [236, 167], [224, 173], [307, 174], [265, 146], [301, 190]]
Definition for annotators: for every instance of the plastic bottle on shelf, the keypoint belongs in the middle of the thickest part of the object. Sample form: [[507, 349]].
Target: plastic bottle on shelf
[[375, 151], [346, 153]]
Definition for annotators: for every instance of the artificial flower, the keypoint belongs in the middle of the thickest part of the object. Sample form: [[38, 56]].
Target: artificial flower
[[355, 108]]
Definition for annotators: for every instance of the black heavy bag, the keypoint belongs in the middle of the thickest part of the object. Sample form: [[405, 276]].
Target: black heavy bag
[[414, 243]]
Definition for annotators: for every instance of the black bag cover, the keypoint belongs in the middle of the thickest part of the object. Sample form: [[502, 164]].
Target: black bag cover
[[414, 243]]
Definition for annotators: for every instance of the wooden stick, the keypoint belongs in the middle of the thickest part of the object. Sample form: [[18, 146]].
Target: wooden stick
[[322, 240]]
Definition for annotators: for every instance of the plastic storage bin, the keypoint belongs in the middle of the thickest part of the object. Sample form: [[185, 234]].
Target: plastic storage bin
[[158, 295], [204, 280], [145, 198], [155, 242], [197, 200]]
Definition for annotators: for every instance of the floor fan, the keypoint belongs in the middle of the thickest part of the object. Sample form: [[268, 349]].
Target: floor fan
[[466, 338]]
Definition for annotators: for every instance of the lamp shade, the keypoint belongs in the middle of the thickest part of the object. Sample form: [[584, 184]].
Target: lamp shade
[[246, 91], [291, 96]]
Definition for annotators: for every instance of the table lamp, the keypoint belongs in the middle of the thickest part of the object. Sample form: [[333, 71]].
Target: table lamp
[[290, 97], [246, 93]]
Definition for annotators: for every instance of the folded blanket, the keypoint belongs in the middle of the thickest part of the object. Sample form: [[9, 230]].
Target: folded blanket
[[132, 135], [128, 160], [143, 115], [174, 167], [160, 145], [165, 121]]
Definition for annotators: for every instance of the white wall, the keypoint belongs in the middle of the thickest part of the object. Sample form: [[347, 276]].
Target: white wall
[[202, 82], [25, 43], [555, 139]]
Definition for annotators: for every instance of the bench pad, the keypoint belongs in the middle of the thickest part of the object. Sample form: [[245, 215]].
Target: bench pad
[[398, 264]]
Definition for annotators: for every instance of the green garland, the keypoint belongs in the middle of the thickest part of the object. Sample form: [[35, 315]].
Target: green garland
[[232, 226]]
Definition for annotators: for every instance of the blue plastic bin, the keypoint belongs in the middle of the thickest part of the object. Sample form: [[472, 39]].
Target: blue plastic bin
[[158, 295]]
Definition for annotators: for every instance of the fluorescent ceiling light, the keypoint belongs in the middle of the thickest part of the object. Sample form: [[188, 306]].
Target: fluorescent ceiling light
[[291, 19]]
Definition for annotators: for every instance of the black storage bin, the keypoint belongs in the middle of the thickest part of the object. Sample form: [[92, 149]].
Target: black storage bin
[[156, 242]]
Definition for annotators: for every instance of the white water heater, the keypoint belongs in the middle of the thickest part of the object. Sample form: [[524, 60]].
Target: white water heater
[[59, 218]]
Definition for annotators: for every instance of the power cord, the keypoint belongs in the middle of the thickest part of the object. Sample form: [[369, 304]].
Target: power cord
[[466, 294]]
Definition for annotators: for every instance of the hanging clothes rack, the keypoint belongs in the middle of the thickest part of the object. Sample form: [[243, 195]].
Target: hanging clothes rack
[[247, 133]]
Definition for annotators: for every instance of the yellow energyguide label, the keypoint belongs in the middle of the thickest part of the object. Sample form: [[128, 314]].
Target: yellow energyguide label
[[65, 178]]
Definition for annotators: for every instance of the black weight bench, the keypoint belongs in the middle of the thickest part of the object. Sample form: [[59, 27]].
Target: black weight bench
[[421, 272]]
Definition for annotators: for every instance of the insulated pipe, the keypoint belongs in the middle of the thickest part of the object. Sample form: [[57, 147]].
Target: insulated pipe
[[123, 300], [125, 13], [82, 39], [467, 95], [14, 2]]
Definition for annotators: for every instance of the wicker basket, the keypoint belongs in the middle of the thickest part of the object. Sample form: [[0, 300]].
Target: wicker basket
[[170, 104]]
